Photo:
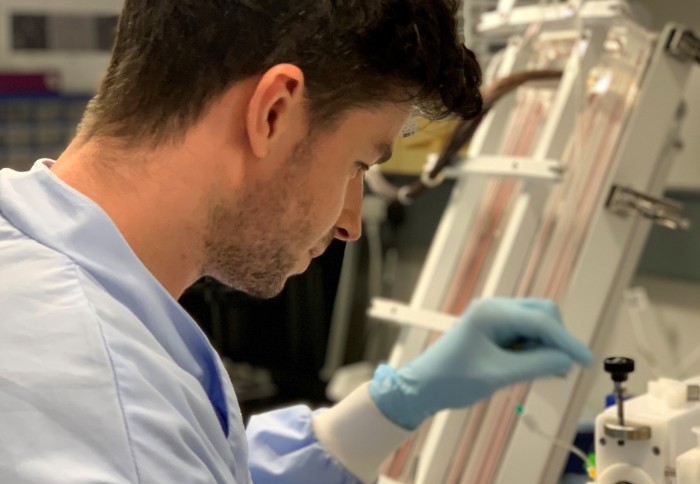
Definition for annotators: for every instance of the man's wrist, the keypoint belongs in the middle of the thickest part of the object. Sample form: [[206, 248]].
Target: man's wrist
[[396, 399], [358, 434]]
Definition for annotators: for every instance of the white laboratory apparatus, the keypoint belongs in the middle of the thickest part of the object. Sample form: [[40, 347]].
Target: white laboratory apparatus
[[555, 199], [652, 438]]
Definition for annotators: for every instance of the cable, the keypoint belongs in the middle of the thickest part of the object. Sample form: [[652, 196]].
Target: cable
[[460, 137], [588, 460]]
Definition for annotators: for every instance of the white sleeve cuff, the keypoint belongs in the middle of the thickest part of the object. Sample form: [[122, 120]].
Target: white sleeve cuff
[[358, 435]]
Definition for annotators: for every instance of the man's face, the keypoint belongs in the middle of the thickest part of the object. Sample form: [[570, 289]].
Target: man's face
[[274, 225]]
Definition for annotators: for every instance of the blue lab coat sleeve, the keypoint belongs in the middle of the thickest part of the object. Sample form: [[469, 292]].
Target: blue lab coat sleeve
[[284, 448], [344, 444]]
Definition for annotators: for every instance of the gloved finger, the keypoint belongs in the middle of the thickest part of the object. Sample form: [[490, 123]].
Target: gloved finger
[[538, 329], [540, 363], [546, 306]]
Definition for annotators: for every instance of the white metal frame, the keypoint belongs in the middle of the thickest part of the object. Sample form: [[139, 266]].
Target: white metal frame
[[604, 268], [447, 426], [511, 256]]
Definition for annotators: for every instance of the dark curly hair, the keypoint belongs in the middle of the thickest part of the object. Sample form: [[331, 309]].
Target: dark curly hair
[[173, 57]]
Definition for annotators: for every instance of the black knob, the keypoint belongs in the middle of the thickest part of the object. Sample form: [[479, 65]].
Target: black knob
[[619, 367]]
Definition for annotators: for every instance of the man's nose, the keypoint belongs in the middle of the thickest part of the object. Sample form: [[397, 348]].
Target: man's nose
[[349, 224]]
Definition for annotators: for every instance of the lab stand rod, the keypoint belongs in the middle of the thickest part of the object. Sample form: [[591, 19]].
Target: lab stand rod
[[521, 167], [399, 313]]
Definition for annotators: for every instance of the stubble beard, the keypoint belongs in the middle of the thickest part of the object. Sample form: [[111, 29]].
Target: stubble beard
[[252, 244]]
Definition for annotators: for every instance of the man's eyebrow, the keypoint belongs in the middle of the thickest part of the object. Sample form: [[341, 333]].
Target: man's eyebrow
[[385, 152]]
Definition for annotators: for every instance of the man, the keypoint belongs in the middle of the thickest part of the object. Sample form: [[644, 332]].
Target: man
[[229, 139]]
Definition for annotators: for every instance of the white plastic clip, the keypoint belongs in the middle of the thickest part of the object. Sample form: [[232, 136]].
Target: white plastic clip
[[402, 195], [430, 182]]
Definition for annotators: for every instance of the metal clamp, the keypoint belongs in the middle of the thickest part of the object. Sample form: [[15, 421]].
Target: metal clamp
[[684, 44], [627, 432], [625, 202]]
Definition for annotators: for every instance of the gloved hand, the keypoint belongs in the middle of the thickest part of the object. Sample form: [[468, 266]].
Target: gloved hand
[[495, 343]]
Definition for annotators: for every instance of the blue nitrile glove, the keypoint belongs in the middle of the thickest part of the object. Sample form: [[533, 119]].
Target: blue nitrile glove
[[476, 357]]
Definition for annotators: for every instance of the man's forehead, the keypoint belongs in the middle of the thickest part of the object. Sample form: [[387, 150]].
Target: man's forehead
[[386, 120], [386, 115]]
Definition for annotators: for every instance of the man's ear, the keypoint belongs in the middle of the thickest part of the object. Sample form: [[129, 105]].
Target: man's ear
[[276, 103]]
